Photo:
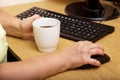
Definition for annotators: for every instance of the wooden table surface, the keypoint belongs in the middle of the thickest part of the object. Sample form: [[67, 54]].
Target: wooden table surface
[[24, 49]]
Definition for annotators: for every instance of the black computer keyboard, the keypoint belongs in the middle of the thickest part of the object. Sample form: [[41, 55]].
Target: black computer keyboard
[[75, 29], [72, 28]]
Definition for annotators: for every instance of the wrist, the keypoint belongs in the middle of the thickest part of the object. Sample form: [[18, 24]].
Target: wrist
[[63, 61]]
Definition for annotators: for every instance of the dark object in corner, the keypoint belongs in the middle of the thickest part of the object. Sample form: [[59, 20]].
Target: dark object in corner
[[11, 57]]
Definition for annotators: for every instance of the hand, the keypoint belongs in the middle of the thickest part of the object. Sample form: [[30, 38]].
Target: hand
[[80, 54], [26, 26]]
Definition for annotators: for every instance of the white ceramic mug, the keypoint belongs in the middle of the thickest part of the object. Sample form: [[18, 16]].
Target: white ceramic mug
[[46, 33]]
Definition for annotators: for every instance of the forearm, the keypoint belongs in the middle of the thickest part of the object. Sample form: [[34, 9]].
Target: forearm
[[36, 68], [11, 24]]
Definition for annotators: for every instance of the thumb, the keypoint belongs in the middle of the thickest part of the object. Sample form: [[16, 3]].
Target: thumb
[[34, 17], [94, 62]]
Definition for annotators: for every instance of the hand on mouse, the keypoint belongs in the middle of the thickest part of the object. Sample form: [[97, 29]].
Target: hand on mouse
[[80, 54]]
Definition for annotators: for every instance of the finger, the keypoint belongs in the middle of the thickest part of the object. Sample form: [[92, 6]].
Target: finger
[[96, 46], [96, 51], [94, 62], [34, 17]]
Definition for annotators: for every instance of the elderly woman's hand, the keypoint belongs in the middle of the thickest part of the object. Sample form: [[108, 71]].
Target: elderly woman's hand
[[80, 54], [27, 28]]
